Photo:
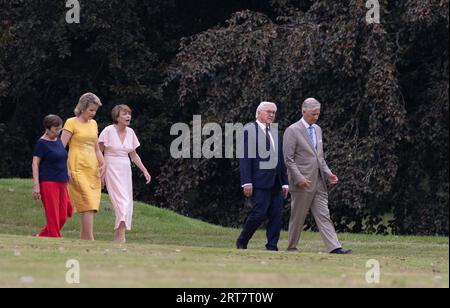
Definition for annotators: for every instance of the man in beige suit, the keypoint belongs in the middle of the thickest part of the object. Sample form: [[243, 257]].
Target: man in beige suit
[[308, 176]]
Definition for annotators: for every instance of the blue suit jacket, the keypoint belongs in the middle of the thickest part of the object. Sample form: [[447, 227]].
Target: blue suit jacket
[[250, 167]]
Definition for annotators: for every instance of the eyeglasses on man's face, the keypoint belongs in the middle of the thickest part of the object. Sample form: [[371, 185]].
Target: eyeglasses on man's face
[[270, 112]]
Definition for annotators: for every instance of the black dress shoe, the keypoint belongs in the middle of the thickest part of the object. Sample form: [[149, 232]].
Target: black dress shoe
[[341, 251], [272, 248], [239, 245]]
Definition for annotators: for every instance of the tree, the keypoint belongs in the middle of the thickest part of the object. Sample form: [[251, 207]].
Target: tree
[[330, 53], [384, 89]]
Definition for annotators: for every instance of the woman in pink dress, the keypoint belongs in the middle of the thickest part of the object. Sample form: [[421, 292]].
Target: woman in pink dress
[[119, 143]]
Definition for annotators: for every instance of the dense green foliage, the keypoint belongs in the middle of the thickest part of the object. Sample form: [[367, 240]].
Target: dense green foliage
[[384, 89]]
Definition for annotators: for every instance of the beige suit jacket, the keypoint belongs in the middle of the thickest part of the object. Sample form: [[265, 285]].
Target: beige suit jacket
[[302, 160]]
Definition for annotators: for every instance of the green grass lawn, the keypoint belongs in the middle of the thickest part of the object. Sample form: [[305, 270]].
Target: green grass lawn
[[165, 249]]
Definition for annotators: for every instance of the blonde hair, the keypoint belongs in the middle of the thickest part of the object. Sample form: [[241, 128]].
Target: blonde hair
[[115, 113], [85, 100]]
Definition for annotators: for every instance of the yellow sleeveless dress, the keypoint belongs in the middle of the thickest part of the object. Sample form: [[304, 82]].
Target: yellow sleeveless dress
[[85, 186]]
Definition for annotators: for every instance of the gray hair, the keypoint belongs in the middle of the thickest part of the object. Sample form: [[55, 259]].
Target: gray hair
[[85, 100], [310, 104], [264, 104]]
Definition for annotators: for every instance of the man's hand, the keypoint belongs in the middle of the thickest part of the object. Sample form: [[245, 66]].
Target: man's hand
[[304, 184], [333, 179], [248, 190], [285, 192]]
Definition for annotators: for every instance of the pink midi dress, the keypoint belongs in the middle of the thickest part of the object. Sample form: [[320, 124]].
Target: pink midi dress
[[118, 175]]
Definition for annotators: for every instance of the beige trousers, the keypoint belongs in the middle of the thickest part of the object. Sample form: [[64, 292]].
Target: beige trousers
[[317, 201]]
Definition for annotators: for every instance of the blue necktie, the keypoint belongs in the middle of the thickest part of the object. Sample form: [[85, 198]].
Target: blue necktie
[[311, 136]]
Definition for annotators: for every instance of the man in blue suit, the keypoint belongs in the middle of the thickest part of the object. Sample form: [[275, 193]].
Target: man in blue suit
[[263, 177]]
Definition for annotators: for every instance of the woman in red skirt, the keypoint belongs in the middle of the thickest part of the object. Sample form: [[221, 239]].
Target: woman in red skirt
[[51, 176]]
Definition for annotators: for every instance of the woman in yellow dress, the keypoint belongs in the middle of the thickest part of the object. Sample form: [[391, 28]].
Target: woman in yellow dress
[[86, 163]]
